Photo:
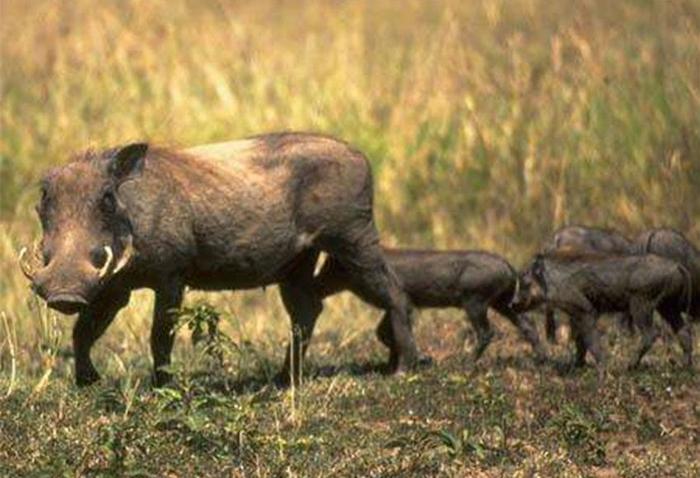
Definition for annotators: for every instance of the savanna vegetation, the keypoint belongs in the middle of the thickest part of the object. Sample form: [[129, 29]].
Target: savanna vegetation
[[488, 124]]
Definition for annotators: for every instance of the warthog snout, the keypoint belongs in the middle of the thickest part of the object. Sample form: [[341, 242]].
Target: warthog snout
[[524, 300], [68, 282], [531, 291], [66, 285], [67, 303], [86, 230]]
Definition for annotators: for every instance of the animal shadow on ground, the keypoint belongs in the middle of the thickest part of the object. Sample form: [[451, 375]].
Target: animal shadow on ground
[[517, 362], [260, 380]]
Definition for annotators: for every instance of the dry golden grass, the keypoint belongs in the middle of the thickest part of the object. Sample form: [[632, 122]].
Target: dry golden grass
[[488, 123]]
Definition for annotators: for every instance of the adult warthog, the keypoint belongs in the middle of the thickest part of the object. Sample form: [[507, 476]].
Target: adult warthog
[[236, 215], [473, 281], [586, 239]]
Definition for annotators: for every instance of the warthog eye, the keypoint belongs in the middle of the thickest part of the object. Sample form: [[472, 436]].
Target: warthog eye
[[108, 205], [538, 269], [98, 256], [45, 255], [42, 207]]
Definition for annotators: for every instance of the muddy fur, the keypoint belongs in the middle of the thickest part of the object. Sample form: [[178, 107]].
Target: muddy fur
[[235, 215], [472, 281], [586, 285], [588, 239]]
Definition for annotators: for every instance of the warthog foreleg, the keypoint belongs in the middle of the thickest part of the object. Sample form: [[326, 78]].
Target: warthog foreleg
[[303, 306], [626, 322], [527, 329], [375, 282], [168, 300], [550, 325], [90, 326], [579, 359]]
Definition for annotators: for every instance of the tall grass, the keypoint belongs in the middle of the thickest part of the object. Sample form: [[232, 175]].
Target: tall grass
[[489, 123]]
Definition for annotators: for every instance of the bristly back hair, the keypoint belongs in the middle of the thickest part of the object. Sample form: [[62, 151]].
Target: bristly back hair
[[88, 154], [574, 254], [96, 154]]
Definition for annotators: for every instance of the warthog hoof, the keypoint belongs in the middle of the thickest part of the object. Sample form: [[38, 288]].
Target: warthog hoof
[[399, 366], [161, 378], [540, 357], [575, 364], [634, 365], [685, 363], [480, 349], [87, 378], [602, 375], [282, 380], [424, 361]]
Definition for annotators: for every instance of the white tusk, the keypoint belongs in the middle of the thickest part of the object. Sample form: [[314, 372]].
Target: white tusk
[[127, 254], [517, 289], [29, 274], [108, 262]]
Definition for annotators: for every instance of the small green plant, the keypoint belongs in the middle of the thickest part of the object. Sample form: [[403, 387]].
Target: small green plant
[[463, 444], [202, 320], [580, 431]]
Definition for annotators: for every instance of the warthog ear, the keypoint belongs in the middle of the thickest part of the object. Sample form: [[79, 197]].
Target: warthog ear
[[538, 266], [128, 161]]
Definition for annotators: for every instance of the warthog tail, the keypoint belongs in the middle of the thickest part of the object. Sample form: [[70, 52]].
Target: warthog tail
[[646, 247]]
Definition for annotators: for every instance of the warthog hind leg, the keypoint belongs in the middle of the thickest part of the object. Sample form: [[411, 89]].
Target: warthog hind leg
[[550, 325], [644, 319], [374, 281], [477, 314], [587, 338], [684, 334]]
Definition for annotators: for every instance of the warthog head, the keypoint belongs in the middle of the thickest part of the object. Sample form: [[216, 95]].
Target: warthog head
[[533, 286], [87, 236]]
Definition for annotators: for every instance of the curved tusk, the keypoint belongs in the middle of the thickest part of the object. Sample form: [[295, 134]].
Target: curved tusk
[[126, 256], [108, 262], [26, 270], [516, 293]]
